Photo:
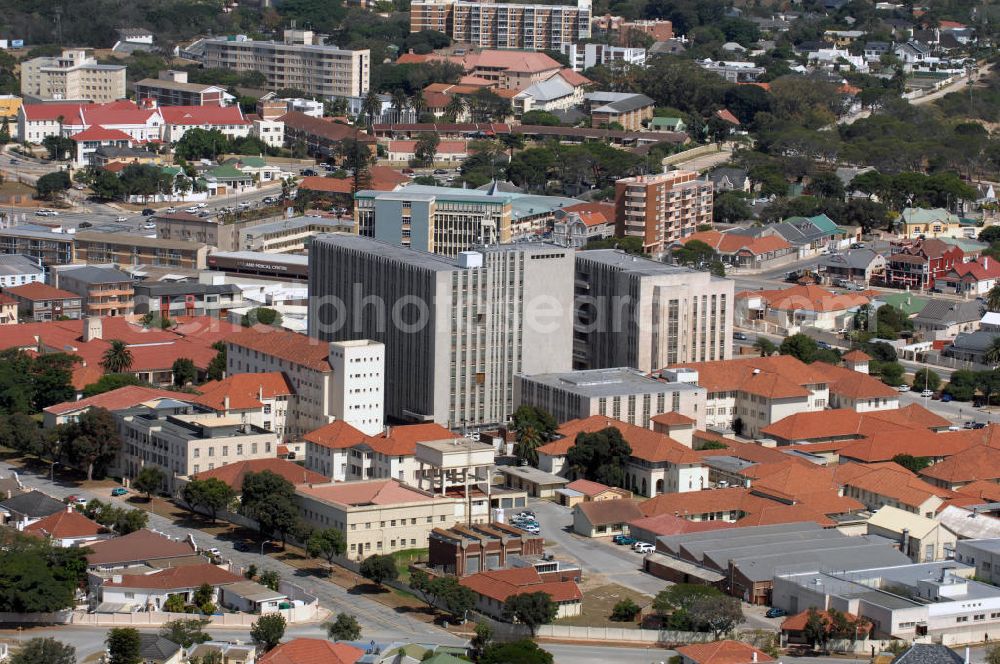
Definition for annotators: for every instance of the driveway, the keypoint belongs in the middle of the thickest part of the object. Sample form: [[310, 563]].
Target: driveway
[[617, 564]]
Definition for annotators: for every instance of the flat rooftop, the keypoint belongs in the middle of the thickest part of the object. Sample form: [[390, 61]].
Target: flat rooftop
[[617, 258], [297, 223], [263, 257], [608, 382], [453, 445]]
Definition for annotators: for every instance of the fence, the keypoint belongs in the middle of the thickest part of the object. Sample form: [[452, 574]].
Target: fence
[[54, 618], [298, 614], [699, 151], [507, 632]]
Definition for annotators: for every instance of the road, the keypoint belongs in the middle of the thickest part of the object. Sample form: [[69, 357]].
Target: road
[[705, 161], [957, 86]]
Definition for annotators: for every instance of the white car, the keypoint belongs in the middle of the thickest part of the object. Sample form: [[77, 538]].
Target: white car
[[213, 551], [927, 393], [903, 388], [122, 218], [643, 547]]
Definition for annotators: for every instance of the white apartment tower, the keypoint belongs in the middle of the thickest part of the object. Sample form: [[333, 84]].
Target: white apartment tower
[[359, 383]]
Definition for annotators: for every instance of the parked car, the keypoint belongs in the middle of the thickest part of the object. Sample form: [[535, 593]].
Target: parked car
[[241, 546], [308, 172], [643, 547], [927, 393], [121, 218], [903, 388], [740, 336], [170, 210], [775, 612], [119, 491], [623, 539], [214, 551], [148, 212], [440, 171], [945, 397], [76, 500]]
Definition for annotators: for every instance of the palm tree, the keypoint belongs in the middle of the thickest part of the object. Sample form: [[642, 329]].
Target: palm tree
[[455, 108], [117, 358], [526, 448], [399, 103], [418, 103], [371, 107], [992, 354], [993, 298]]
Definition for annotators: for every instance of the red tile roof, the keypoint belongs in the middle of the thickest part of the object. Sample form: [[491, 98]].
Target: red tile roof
[[646, 444], [327, 185], [725, 114], [723, 652], [65, 525], [203, 115], [290, 346], [588, 488], [38, 291], [312, 651], [140, 546], [731, 243], [123, 397], [177, 578], [607, 512], [797, 623], [889, 480], [99, 133], [884, 445], [981, 490], [980, 462], [672, 418], [668, 524], [977, 270], [838, 423], [244, 391], [775, 377], [374, 492], [856, 356], [575, 79], [336, 435], [807, 298], [234, 473], [501, 584]]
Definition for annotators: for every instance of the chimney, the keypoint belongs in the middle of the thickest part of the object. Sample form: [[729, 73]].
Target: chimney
[[225, 402], [69, 509], [117, 578], [986, 262], [755, 657], [260, 393], [93, 328]]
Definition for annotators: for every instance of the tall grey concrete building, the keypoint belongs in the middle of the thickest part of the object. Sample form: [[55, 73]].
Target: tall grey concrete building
[[456, 331], [640, 313]]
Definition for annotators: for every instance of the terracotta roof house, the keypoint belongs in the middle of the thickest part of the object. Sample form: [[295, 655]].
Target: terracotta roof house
[[233, 474], [743, 251], [658, 462], [68, 528], [150, 591], [882, 446], [604, 518], [790, 309], [722, 652], [793, 627], [124, 397], [494, 587], [974, 464], [141, 548], [580, 491], [847, 424], [312, 651], [881, 484]]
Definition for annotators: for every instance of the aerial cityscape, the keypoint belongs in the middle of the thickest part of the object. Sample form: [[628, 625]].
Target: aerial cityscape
[[444, 331]]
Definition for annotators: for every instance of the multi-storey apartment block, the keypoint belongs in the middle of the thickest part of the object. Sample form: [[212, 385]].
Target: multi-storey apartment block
[[504, 25], [455, 331], [662, 208], [635, 312], [106, 291], [72, 75], [302, 61], [171, 88]]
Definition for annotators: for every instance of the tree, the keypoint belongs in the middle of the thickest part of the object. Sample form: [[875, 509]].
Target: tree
[[44, 650], [198, 144], [524, 651], [184, 371], [680, 597], [455, 108], [52, 379], [426, 149], [992, 354], [891, 373], [765, 347], [212, 494], [799, 346], [993, 296], [202, 598], [93, 440], [716, 615], [267, 631], [263, 316], [926, 379], [270, 578], [912, 463], [371, 107], [534, 427], [58, 147], [531, 609], [269, 499], [52, 184], [327, 544], [455, 598], [526, 447], [149, 480], [117, 358], [731, 206], [962, 386], [344, 628], [186, 632], [625, 610], [211, 657], [482, 636], [174, 604], [38, 577], [124, 645], [817, 629], [600, 456], [379, 569], [217, 367], [5, 132]]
